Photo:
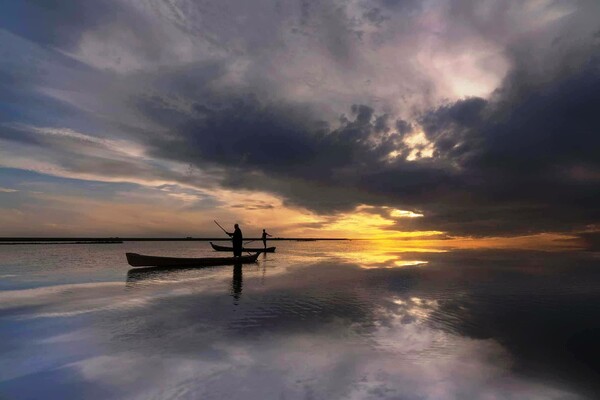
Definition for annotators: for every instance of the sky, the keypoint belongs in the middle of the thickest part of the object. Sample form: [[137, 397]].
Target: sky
[[462, 123]]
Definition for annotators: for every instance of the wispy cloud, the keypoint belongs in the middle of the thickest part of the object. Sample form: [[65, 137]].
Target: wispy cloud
[[456, 111]]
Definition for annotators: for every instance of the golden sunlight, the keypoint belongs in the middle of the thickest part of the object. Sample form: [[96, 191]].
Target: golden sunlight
[[405, 214]]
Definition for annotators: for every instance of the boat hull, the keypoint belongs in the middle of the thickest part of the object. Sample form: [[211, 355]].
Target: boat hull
[[140, 260], [216, 247]]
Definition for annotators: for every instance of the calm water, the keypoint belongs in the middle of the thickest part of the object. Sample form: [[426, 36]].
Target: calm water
[[316, 320]]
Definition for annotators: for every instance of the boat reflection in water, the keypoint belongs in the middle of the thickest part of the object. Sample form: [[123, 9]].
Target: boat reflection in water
[[149, 275], [140, 277]]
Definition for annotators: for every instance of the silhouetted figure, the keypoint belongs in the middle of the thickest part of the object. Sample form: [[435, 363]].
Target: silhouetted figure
[[236, 283], [264, 238], [237, 239]]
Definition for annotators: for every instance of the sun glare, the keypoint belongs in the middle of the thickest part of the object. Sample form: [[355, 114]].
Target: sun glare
[[405, 214]]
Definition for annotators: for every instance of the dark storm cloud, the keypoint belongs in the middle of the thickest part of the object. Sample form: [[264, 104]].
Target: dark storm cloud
[[278, 148], [522, 160], [515, 164], [529, 164]]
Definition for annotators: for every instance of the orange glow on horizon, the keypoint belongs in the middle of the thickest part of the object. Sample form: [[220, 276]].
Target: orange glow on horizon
[[168, 214]]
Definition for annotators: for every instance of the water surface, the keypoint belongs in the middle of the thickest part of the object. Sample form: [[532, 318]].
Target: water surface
[[316, 320]]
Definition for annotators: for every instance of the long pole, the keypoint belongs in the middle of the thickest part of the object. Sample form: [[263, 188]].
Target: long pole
[[220, 227]]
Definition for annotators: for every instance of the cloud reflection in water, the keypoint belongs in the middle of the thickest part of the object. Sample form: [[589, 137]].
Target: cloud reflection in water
[[323, 331]]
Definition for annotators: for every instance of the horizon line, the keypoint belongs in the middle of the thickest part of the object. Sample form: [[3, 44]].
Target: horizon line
[[140, 239]]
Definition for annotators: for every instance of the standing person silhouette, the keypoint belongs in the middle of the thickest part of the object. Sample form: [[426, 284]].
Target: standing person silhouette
[[264, 238], [237, 238]]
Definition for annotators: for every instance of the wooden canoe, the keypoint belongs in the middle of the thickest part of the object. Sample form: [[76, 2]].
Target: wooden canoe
[[139, 260], [250, 249]]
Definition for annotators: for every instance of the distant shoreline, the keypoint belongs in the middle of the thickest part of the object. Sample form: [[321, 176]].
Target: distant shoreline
[[117, 240], [30, 243]]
